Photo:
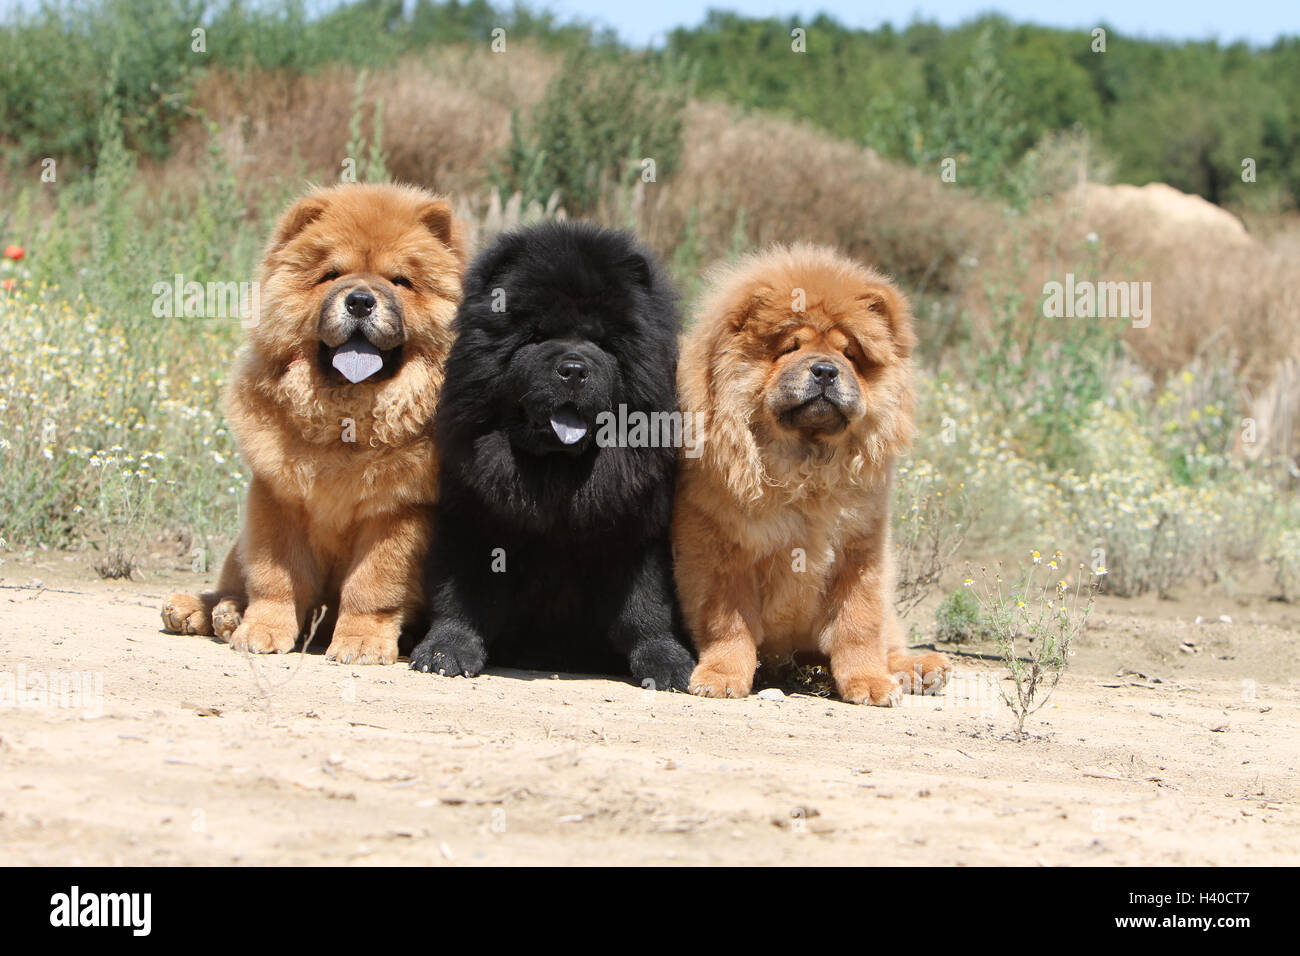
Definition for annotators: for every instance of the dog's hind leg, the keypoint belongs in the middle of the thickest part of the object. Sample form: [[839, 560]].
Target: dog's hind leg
[[232, 596], [212, 612], [188, 613], [918, 673]]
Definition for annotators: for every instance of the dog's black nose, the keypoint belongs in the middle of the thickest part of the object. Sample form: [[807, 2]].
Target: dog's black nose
[[572, 371], [824, 372], [359, 303]]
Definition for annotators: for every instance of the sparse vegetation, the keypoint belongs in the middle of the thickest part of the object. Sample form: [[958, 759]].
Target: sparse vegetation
[[1035, 621], [930, 528], [1286, 563], [959, 619], [577, 142]]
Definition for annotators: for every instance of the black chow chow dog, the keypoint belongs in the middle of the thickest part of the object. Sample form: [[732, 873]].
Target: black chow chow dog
[[551, 545]]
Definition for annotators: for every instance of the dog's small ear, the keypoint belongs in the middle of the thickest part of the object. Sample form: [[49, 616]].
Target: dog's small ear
[[639, 268], [747, 305], [887, 301], [437, 216], [300, 215], [492, 262]]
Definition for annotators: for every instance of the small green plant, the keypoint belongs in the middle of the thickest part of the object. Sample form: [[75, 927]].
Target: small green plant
[[366, 152], [597, 124], [958, 619], [123, 508], [1035, 623]]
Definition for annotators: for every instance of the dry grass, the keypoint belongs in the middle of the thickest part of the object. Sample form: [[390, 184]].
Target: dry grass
[[1220, 296], [444, 117], [763, 179], [1215, 287], [1217, 291]]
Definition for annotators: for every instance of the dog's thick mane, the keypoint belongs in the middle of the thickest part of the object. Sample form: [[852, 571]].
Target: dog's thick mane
[[603, 487], [399, 411], [795, 472]]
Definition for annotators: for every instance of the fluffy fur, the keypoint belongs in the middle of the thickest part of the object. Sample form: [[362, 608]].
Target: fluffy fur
[[799, 365], [550, 554], [344, 475]]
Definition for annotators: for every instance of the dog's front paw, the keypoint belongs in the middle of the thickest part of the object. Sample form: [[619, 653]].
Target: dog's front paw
[[922, 673], [266, 630], [662, 665], [719, 680], [870, 687], [186, 614], [362, 649], [363, 642], [449, 653]]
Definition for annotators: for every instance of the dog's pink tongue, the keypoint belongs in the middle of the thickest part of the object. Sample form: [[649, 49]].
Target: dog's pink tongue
[[568, 425], [357, 360]]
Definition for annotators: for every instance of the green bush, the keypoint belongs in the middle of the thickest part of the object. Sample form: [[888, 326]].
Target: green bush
[[959, 620], [599, 119]]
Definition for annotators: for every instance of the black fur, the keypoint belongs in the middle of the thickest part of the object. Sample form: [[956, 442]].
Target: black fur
[[589, 323]]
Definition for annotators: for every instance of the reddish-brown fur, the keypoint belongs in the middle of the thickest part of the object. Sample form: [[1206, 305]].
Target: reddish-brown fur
[[344, 523], [781, 535]]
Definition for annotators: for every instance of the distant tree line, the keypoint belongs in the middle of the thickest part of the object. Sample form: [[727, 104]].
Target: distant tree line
[[990, 90]]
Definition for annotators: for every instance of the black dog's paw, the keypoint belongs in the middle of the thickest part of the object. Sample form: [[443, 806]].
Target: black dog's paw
[[451, 653], [662, 665]]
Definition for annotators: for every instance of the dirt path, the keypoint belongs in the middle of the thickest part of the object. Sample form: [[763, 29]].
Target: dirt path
[[202, 755]]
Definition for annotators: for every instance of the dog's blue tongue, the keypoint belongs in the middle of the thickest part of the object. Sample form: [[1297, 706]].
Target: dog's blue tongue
[[568, 425], [357, 359]]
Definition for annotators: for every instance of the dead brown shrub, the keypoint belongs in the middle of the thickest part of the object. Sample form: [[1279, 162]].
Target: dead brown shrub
[[1216, 290], [444, 117], [763, 179]]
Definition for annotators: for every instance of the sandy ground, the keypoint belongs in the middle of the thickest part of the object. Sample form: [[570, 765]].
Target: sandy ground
[[1169, 742]]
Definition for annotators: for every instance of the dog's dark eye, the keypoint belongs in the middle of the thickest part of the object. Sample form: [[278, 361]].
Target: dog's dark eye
[[538, 337], [793, 347], [404, 282], [328, 277]]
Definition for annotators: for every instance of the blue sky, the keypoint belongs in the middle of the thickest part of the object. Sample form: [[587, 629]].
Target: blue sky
[[1258, 21]]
